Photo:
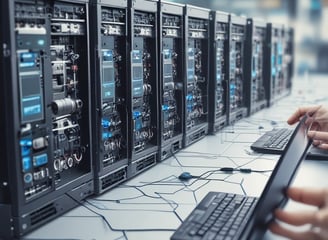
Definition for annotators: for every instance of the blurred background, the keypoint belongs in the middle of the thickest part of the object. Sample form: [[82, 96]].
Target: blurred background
[[308, 17]]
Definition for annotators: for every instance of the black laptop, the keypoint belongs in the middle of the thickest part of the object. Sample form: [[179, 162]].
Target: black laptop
[[232, 216], [275, 141]]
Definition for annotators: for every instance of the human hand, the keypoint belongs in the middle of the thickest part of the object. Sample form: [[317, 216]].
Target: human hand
[[317, 218], [319, 128]]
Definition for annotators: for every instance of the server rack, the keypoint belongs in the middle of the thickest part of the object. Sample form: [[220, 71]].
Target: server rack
[[197, 39], [254, 66], [110, 52], [237, 83], [48, 156], [171, 94], [143, 86], [274, 75], [218, 85]]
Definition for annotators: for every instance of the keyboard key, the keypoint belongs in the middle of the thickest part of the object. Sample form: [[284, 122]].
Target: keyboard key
[[192, 232], [210, 235], [202, 231], [232, 232], [219, 237]]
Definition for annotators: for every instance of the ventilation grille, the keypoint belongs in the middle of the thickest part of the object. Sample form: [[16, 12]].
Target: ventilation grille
[[43, 213], [113, 178], [146, 162], [197, 135]]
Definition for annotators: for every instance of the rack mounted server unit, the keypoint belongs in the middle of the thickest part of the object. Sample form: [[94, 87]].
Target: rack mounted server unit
[[289, 55], [143, 86], [47, 167], [274, 57], [254, 66], [237, 82], [171, 94], [218, 83], [197, 40], [109, 50]]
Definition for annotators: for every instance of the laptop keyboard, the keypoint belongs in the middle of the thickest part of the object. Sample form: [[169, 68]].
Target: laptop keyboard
[[280, 139], [218, 216], [274, 141]]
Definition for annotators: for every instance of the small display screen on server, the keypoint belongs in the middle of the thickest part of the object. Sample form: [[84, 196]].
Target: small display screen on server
[[30, 85], [191, 64], [108, 77], [137, 73]]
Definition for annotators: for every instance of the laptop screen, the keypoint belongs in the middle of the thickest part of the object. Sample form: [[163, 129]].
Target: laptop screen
[[273, 193]]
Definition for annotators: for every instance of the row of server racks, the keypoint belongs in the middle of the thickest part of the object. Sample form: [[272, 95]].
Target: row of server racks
[[96, 92]]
